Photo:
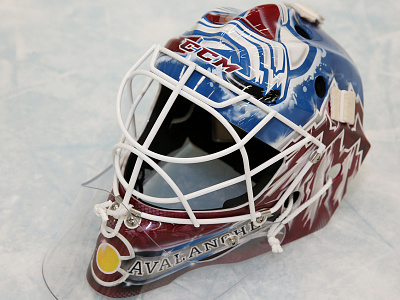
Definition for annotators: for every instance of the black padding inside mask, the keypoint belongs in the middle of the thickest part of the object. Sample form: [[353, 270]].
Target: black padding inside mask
[[188, 121]]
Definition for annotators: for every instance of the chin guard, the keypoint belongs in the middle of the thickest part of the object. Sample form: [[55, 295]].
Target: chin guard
[[118, 269]]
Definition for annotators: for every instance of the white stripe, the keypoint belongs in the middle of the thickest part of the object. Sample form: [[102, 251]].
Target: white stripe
[[245, 37]]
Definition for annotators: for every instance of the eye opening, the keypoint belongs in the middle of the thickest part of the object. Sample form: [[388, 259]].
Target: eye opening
[[303, 31], [320, 86]]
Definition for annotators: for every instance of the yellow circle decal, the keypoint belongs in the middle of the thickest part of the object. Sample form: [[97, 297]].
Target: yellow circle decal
[[107, 258]]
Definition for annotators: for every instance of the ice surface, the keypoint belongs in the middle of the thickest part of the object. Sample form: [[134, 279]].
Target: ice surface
[[60, 66]]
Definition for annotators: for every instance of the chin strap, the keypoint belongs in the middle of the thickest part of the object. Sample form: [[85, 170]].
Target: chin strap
[[275, 245], [101, 211], [277, 227], [287, 216], [115, 209]]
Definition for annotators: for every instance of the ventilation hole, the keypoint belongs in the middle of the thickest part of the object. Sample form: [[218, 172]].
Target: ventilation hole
[[320, 86], [296, 196], [303, 32]]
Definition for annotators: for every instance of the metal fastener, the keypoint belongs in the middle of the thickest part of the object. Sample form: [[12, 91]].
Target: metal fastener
[[232, 240], [114, 206], [132, 221], [315, 157], [263, 218], [260, 220]]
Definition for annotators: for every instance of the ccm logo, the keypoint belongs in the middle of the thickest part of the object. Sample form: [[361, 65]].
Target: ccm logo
[[208, 55]]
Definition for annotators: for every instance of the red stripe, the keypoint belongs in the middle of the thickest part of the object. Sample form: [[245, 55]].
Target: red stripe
[[263, 20], [219, 19]]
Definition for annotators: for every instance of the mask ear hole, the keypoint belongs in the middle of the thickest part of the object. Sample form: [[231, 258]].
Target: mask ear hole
[[303, 32], [320, 86]]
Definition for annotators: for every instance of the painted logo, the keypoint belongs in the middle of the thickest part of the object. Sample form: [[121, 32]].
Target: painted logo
[[208, 55]]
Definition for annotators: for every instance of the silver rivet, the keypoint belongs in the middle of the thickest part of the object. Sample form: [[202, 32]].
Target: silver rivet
[[114, 206], [232, 240], [260, 220], [132, 221], [315, 157]]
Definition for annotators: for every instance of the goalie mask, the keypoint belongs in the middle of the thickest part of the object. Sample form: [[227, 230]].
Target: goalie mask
[[238, 137]]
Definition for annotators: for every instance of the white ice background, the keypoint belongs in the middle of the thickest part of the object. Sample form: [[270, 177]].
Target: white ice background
[[61, 63]]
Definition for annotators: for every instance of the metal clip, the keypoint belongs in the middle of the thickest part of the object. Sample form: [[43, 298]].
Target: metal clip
[[264, 216]]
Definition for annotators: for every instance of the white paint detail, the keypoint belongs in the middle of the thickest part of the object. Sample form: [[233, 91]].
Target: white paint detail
[[296, 49]]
